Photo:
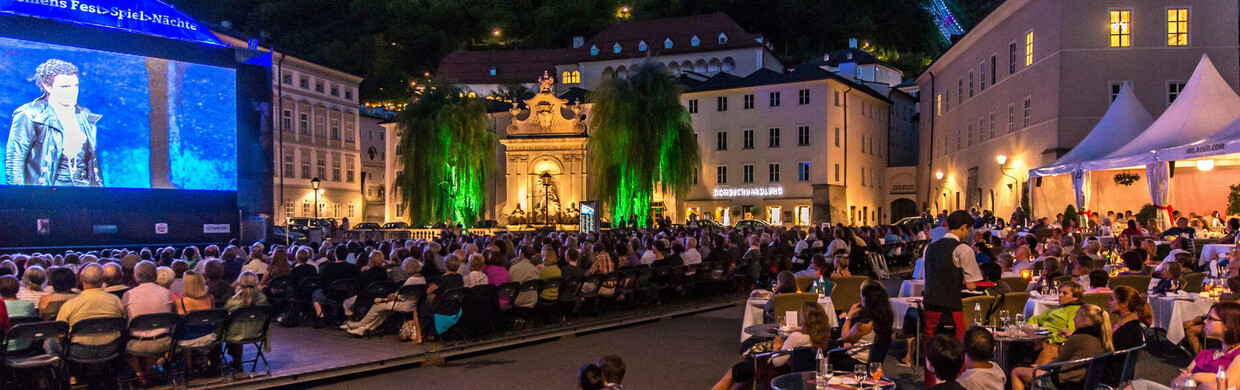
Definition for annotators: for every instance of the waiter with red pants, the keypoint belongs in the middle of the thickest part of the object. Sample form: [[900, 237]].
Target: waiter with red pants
[[950, 266]]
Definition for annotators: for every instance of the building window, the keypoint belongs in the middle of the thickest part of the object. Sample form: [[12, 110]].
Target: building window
[[641, 46], [348, 129], [959, 140], [837, 172], [1012, 58], [981, 74], [335, 91], [721, 175], [938, 104], [318, 87], [304, 82], [289, 208], [336, 168], [721, 140], [747, 174], [1177, 27], [863, 176], [994, 77], [721, 103], [289, 162], [287, 79], [992, 125], [1011, 117], [349, 169], [336, 210], [837, 98], [1029, 49], [305, 208], [303, 123], [969, 135], [335, 129], [305, 164], [837, 137], [1173, 91], [286, 120], [348, 94], [803, 171], [696, 173], [320, 128], [1115, 88], [773, 140], [1028, 112], [615, 48], [667, 44], [695, 41], [981, 130], [1120, 35], [959, 91], [322, 160], [747, 139], [774, 101], [802, 135], [749, 101], [970, 84], [593, 50], [773, 173], [693, 106], [351, 208], [723, 38], [803, 97]]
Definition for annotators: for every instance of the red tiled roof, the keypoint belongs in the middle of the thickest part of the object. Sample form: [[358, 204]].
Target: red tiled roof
[[655, 32], [511, 66]]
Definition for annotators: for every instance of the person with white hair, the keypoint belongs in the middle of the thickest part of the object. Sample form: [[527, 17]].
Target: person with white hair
[[691, 254]]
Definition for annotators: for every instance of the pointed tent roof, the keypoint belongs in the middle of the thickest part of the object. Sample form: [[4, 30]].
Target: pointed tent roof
[[1206, 104], [1125, 119]]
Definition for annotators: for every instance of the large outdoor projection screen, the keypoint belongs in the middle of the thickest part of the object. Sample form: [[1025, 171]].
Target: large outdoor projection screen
[[141, 122]]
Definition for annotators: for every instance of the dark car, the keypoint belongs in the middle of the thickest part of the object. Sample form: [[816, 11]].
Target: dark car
[[751, 223], [281, 236], [911, 221], [366, 226], [704, 224], [395, 225]]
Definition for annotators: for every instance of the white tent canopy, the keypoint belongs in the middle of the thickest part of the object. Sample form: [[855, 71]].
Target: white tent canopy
[[1124, 120], [1206, 104], [1224, 141]]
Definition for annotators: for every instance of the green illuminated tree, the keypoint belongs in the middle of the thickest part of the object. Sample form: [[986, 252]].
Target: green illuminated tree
[[642, 139], [447, 153]]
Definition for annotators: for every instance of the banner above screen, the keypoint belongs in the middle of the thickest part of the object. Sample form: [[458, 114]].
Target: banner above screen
[[141, 16]]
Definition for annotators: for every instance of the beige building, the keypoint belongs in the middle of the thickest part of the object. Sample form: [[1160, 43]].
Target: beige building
[[315, 109], [1033, 78], [797, 148]]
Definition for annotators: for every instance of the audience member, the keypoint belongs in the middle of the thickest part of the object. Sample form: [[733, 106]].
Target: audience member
[[63, 281], [945, 357], [247, 295], [1091, 337], [613, 371], [13, 307], [93, 302], [814, 331], [981, 373], [34, 279]]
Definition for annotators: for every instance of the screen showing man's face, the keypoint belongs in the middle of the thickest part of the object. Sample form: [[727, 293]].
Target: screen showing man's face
[[63, 91]]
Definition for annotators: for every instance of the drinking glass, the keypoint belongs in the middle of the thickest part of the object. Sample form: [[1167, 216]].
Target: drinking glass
[[824, 373], [859, 373], [876, 370], [1003, 319], [1020, 320]]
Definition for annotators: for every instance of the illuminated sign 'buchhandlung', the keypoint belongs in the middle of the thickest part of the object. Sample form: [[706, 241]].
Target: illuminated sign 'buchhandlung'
[[747, 192]]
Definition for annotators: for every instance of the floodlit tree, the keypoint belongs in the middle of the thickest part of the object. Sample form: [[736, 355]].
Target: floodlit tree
[[642, 139], [447, 154]]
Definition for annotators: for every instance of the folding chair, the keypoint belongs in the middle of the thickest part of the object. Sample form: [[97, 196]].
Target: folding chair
[[250, 325]]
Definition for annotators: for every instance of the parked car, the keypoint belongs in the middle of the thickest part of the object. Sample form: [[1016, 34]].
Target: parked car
[[704, 223], [395, 225], [281, 236], [367, 226], [910, 221], [751, 223]]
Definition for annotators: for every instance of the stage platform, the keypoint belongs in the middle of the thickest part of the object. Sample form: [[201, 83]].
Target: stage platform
[[304, 354]]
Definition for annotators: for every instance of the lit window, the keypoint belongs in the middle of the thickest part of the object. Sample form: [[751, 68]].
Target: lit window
[[615, 48], [641, 46], [1120, 36], [593, 50], [1177, 27], [938, 104], [576, 77], [667, 44], [1029, 49], [492, 71], [695, 41], [566, 77]]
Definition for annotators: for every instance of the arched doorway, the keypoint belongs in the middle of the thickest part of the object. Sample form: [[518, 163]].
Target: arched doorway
[[903, 208]]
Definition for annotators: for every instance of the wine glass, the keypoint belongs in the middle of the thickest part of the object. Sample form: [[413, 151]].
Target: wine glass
[[859, 373], [876, 370], [1003, 319], [1020, 320]]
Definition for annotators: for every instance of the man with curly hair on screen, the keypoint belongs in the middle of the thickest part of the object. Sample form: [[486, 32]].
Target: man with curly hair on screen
[[52, 141]]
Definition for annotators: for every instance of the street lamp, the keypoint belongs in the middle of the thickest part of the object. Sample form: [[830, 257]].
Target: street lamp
[[939, 189], [1002, 159], [314, 184], [546, 183]]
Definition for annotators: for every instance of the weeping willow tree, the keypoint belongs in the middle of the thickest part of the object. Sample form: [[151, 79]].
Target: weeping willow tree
[[447, 153], [642, 140]]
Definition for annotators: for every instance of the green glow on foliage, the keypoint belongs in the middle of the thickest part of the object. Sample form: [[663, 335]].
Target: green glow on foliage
[[642, 140], [448, 153]]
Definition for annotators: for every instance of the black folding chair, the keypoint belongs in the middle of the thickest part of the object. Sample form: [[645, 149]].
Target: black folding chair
[[155, 322], [200, 323], [95, 329], [250, 326], [1096, 367], [27, 339]]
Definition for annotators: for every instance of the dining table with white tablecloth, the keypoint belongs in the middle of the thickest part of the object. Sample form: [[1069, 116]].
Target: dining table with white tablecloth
[[912, 288], [1170, 312], [755, 306], [900, 306], [1036, 305]]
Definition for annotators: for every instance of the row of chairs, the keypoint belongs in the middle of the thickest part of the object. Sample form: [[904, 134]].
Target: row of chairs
[[27, 336]]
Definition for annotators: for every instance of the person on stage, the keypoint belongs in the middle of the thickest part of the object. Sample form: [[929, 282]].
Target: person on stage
[[52, 140], [950, 266]]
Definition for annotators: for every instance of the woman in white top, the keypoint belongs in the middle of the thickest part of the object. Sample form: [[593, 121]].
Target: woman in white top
[[34, 279], [476, 276], [814, 332]]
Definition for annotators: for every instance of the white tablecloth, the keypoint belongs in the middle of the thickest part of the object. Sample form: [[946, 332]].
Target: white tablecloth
[[1170, 313], [753, 313], [1002, 234], [899, 306], [912, 288], [1036, 306], [1209, 251]]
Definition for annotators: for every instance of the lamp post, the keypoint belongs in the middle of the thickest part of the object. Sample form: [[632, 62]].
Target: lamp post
[[314, 184], [546, 183], [1002, 159], [938, 175]]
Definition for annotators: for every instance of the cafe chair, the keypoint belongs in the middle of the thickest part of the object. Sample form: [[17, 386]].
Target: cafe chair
[[1193, 282], [974, 307], [847, 292], [1141, 283], [804, 283], [785, 303], [800, 359], [1017, 283], [1097, 366]]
